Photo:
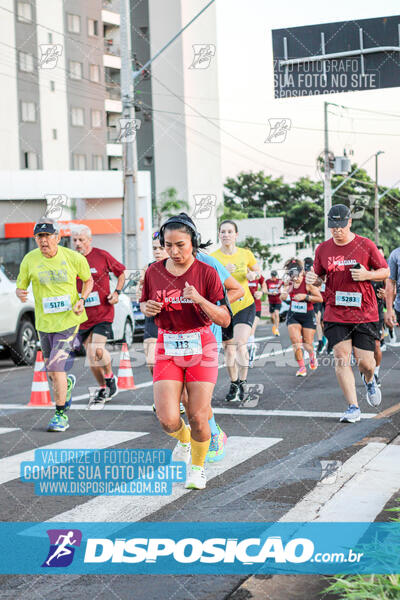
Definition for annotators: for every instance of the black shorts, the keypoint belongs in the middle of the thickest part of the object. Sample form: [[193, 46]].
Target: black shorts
[[246, 315], [362, 335], [306, 320], [258, 313], [150, 328], [100, 328], [381, 327], [273, 307]]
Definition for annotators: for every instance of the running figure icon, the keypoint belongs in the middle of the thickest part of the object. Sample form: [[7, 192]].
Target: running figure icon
[[62, 542]]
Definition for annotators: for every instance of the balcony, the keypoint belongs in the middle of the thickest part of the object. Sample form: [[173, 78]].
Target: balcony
[[113, 135], [109, 17], [111, 48]]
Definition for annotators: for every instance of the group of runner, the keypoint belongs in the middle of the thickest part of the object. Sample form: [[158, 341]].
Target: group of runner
[[194, 303]]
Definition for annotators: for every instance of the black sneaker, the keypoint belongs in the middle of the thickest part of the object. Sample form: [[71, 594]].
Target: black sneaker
[[242, 390], [112, 386], [320, 346], [234, 393]]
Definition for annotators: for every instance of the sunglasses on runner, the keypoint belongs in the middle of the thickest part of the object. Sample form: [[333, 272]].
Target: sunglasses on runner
[[155, 235]]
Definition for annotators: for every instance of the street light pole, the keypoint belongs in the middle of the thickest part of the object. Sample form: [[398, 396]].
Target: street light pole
[[376, 203], [327, 175]]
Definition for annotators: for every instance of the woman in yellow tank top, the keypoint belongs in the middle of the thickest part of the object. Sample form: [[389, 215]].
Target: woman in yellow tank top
[[242, 264]]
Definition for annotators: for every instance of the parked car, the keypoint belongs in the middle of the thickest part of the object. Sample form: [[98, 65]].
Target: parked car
[[130, 289], [18, 336]]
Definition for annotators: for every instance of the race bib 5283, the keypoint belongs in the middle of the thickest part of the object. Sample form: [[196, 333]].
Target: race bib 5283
[[348, 299]]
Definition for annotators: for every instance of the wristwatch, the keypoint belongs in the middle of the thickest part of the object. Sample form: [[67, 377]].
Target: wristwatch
[[118, 291]]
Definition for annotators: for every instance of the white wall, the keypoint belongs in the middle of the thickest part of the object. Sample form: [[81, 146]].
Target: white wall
[[53, 105], [9, 148], [268, 230], [201, 91]]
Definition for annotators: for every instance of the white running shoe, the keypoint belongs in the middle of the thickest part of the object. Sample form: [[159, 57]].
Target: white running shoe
[[181, 453], [196, 478]]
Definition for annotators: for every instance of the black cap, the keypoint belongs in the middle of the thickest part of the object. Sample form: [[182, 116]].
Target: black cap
[[44, 228], [274, 273], [339, 216]]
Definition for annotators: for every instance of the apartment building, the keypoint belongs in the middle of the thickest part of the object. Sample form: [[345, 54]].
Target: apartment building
[[60, 107]]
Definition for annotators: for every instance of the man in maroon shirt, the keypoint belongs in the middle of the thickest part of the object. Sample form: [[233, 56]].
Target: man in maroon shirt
[[274, 286], [100, 310], [351, 322]]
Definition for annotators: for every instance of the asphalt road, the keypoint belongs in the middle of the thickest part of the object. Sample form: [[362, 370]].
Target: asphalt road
[[273, 460]]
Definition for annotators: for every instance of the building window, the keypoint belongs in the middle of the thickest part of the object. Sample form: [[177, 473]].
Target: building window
[[24, 12], [54, 132], [75, 69], [79, 162], [50, 38], [94, 73], [93, 27], [52, 86], [97, 161], [25, 62], [96, 118], [28, 112], [30, 160], [74, 23], [77, 117]]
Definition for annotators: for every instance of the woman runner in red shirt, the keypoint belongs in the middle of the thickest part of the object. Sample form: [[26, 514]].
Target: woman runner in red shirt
[[182, 292], [301, 317]]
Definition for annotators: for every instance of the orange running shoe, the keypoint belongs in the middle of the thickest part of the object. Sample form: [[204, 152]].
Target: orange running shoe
[[313, 362]]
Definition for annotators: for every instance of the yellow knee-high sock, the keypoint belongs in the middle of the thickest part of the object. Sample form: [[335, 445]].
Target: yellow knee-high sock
[[183, 433], [199, 452]]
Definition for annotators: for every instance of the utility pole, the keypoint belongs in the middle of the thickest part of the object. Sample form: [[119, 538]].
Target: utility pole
[[130, 242], [376, 203], [327, 175]]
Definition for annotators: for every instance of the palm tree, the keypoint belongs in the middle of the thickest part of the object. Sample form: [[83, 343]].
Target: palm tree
[[168, 204]]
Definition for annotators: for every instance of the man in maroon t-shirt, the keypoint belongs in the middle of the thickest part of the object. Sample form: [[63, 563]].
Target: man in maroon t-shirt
[[274, 286], [351, 322], [100, 310]]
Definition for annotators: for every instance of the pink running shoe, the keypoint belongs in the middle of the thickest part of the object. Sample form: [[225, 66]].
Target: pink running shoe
[[313, 362], [302, 372]]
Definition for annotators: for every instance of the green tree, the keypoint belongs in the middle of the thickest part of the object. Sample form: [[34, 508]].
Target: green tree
[[168, 204], [260, 251], [301, 204]]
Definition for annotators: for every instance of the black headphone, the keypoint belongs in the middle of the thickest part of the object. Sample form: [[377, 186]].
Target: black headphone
[[183, 220]]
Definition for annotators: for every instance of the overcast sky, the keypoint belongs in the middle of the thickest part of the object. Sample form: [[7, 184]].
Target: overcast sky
[[246, 94]]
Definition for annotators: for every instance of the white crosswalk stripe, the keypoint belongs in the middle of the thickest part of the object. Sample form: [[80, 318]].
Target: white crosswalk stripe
[[8, 429], [10, 465], [318, 414], [135, 508]]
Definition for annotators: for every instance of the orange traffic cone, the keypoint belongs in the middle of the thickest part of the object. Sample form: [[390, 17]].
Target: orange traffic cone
[[40, 394], [125, 375]]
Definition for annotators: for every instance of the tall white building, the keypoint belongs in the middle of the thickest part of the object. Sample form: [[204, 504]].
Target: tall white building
[[60, 108]]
